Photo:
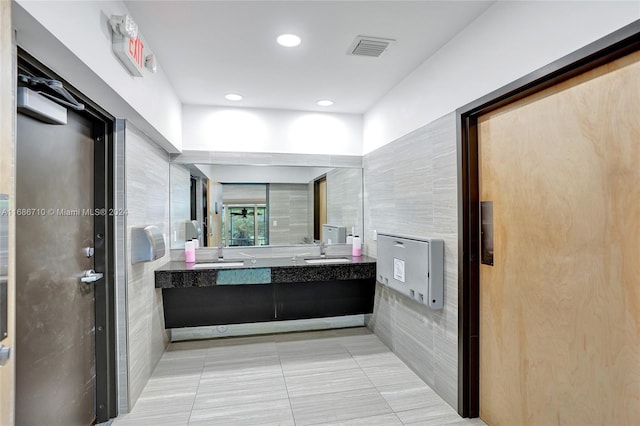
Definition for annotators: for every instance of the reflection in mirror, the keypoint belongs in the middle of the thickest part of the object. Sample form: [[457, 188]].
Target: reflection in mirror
[[244, 215], [236, 205]]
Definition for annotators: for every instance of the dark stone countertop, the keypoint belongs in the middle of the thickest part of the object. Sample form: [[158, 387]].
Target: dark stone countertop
[[178, 274]]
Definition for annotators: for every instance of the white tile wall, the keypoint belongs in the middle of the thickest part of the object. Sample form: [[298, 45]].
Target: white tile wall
[[147, 197], [344, 198], [410, 188], [288, 205]]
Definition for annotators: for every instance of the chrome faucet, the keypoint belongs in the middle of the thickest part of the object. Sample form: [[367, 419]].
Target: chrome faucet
[[220, 253], [323, 249]]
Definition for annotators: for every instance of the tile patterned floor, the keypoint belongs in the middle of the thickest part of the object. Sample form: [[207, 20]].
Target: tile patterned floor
[[332, 377]]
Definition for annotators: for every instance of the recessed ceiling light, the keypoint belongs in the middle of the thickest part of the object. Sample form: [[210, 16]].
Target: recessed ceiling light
[[288, 40], [324, 102], [233, 97]]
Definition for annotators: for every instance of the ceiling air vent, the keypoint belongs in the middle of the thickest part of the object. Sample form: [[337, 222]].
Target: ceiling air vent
[[369, 46]]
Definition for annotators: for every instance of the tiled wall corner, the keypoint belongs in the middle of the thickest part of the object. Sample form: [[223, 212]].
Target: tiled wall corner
[[120, 251], [410, 188], [147, 195]]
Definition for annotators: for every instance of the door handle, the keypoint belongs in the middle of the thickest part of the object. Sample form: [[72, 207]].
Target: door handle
[[486, 232], [5, 354], [91, 276]]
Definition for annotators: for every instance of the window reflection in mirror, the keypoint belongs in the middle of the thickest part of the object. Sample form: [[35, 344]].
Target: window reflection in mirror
[[244, 213], [244, 226]]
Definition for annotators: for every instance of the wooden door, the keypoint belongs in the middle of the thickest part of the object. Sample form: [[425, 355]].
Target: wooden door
[[320, 207], [215, 213], [560, 308]]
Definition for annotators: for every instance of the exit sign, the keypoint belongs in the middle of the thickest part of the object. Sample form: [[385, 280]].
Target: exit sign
[[131, 53]]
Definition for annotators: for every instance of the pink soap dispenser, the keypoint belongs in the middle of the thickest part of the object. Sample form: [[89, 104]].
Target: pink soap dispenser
[[356, 250], [190, 252]]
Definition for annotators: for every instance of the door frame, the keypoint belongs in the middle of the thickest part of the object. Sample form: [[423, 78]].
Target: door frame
[[613, 46], [104, 258], [317, 226]]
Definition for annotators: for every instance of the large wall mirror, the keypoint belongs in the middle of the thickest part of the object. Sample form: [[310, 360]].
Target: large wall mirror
[[264, 205]]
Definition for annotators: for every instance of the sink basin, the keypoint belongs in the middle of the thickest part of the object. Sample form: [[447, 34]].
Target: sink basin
[[218, 265], [321, 260]]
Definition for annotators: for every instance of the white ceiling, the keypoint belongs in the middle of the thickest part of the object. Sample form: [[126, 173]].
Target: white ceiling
[[210, 48]]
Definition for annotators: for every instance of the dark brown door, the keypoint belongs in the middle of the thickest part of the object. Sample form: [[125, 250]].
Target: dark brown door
[[560, 306], [55, 338]]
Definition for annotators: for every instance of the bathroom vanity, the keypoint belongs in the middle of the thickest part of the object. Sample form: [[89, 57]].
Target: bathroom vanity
[[265, 289]]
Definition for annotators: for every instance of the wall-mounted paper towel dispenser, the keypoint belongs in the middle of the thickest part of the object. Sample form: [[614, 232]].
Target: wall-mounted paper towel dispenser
[[192, 230], [147, 244], [412, 266], [334, 234]]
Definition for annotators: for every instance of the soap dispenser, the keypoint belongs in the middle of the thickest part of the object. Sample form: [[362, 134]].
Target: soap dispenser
[[350, 236], [356, 250], [189, 252]]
